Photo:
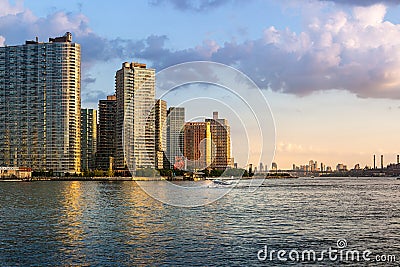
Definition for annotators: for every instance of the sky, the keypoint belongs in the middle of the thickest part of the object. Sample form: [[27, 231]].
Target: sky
[[329, 70]]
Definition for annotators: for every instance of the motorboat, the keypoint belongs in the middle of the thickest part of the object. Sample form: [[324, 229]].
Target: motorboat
[[221, 182]]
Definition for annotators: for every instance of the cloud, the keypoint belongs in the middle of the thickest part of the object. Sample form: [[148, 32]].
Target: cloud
[[91, 97], [358, 52], [207, 5], [89, 79], [8, 9], [192, 5], [364, 2]]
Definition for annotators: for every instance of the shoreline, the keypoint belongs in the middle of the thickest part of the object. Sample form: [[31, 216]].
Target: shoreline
[[125, 179]]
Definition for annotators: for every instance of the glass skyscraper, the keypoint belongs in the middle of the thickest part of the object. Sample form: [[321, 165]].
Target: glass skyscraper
[[175, 128], [106, 144], [40, 105]]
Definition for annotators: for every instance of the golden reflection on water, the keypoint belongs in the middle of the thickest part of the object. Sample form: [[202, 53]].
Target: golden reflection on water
[[142, 217], [72, 212]]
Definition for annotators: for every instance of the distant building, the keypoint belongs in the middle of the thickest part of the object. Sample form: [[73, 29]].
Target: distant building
[[175, 128], [341, 168], [135, 92], [274, 166], [197, 145], [261, 167], [40, 105], [221, 139], [160, 131], [313, 166], [88, 139], [106, 146]]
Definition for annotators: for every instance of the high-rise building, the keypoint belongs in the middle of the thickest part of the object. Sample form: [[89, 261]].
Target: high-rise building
[[135, 92], [106, 145], [88, 139], [221, 138], [160, 131], [274, 166], [197, 145], [175, 125], [261, 167], [40, 105]]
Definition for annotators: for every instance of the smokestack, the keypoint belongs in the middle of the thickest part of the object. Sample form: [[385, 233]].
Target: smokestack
[[381, 161], [374, 163], [398, 159]]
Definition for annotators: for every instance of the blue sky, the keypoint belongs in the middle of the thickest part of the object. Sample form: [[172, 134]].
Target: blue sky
[[329, 69]]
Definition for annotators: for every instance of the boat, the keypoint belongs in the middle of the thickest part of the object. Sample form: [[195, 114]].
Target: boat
[[220, 182]]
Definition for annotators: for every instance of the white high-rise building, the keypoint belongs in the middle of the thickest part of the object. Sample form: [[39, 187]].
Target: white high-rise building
[[135, 92], [40, 105]]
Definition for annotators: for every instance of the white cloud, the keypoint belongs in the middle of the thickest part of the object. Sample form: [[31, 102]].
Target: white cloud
[[358, 52], [8, 9], [370, 16]]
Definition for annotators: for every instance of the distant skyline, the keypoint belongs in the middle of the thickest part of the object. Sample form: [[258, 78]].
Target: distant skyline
[[330, 70]]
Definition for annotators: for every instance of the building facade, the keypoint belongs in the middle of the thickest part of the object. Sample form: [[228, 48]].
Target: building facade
[[15, 173], [197, 145], [88, 139], [135, 93], [106, 140], [40, 105], [160, 111], [221, 139], [175, 127]]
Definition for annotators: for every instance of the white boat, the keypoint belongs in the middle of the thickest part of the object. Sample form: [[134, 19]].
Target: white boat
[[221, 182]]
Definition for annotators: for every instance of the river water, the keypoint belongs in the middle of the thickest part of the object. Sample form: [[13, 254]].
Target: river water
[[70, 223]]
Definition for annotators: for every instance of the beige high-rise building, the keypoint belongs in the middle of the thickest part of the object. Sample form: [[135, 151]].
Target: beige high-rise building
[[135, 92], [88, 139], [197, 145], [40, 105], [221, 138]]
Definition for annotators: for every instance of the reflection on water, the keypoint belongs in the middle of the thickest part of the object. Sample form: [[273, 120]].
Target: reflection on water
[[117, 223], [72, 212], [71, 232]]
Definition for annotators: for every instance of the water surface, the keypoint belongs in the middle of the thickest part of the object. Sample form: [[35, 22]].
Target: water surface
[[115, 223]]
